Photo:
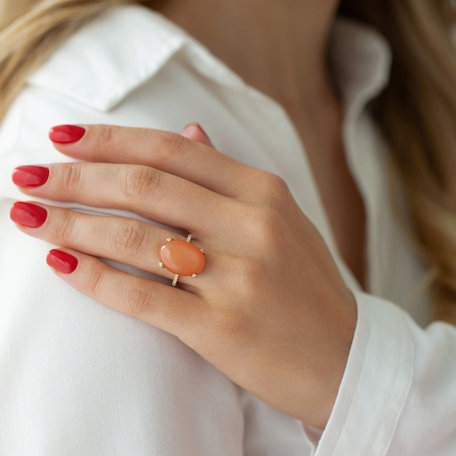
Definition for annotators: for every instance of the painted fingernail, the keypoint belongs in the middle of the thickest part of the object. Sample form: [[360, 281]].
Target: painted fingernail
[[28, 214], [30, 176], [61, 261], [200, 128], [66, 134]]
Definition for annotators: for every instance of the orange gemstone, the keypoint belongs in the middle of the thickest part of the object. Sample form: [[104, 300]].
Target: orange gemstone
[[182, 257]]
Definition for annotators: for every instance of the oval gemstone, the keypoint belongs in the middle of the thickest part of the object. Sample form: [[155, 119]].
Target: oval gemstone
[[182, 257]]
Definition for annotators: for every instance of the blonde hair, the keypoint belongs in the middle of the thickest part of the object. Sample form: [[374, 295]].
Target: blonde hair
[[417, 111], [30, 30]]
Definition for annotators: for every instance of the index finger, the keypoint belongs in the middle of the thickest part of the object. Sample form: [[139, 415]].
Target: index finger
[[163, 150]]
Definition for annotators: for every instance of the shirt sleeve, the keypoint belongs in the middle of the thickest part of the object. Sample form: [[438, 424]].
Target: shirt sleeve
[[398, 392]]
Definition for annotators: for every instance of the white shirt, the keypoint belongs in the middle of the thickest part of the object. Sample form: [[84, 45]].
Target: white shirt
[[77, 378]]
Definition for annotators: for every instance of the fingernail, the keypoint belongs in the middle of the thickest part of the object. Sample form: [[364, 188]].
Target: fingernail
[[61, 261], [200, 128], [30, 176], [66, 134], [28, 214]]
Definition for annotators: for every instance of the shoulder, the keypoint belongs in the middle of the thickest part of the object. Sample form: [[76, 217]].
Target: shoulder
[[118, 69], [110, 56], [131, 66]]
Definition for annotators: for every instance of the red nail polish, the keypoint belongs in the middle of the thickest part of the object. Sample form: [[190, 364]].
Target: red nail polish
[[30, 176], [28, 214], [200, 128], [62, 261], [66, 134]]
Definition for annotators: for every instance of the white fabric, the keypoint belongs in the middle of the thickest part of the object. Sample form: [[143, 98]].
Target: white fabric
[[77, 378]]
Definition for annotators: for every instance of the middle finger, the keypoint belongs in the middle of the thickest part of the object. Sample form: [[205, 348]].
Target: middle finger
[[154, 194]]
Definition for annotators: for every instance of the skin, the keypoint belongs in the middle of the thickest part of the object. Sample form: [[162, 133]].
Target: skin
[[249, 313], [283, 55]]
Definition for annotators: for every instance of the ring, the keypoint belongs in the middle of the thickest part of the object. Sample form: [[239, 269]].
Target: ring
[[182, 258]]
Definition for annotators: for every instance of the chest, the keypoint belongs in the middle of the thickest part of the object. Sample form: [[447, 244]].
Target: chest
[[344, 208], [345, 211]]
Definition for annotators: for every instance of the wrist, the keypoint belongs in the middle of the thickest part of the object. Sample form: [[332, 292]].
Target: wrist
[[329, 372]]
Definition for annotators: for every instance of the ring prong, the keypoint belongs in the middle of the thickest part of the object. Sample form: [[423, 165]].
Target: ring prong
[[169, 239], [175, 280], [203, 251], [194, 276], [161, 264]]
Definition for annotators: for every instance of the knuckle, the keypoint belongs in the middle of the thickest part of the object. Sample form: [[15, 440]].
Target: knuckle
[[65, 226], [266, 227], [170, 143], [138, 299], [171, 148], [130, 238], [140, 182], [274, 189], [105, 139], [70, 177], [94, 281]]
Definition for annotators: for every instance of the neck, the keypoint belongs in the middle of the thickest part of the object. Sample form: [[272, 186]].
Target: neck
[[277, 48]]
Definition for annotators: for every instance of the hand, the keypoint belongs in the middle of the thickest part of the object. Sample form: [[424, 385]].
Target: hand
[[269, 310]]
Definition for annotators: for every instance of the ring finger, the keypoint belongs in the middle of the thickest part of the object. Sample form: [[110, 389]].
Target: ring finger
[[118, 238]]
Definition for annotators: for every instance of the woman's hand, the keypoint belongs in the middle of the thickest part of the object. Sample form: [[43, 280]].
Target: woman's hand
[[269, 310]]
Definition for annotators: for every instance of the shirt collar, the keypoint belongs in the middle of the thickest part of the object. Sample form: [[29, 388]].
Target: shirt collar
[[99, 67], [361, 60]]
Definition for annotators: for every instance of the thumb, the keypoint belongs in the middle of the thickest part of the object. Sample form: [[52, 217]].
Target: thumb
[[195, 132]]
